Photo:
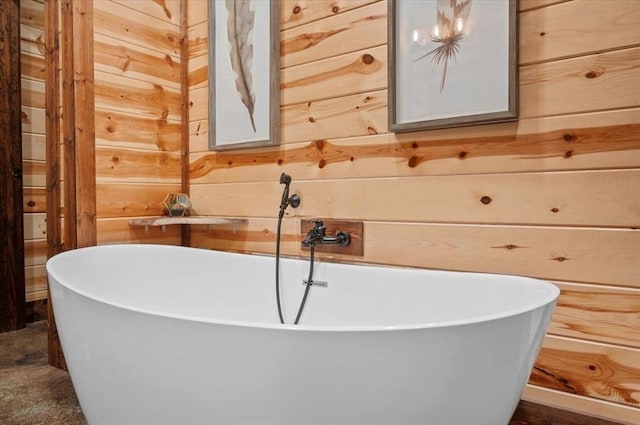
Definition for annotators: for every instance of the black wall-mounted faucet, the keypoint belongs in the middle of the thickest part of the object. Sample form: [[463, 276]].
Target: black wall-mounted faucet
[[317, 235]]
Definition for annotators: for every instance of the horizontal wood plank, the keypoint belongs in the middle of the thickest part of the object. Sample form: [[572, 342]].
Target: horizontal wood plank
[[584, 141], [34, 199], [35, 252], [123, 23], [128, 95], [31, 66], [33, 120], [132, 200], [119, 129], [32, 40], [598, 313], [198, 72], [35, 282], [600, 371], [524, 5], [117, 230], [164, 10], [568, 29], [35, 226], [352, 73], [625, 415], [125, 59], [299, 12], [576, 85], [199, 103], [346, 116], [141, 166], [542, 252], [198, 39], [590, 198], [197, 12], [32, 92], [34, 173], [32, 13], [33, 146], [350, 31]]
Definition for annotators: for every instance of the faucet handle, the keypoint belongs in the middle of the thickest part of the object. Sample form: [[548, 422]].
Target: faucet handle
[[317, 223]]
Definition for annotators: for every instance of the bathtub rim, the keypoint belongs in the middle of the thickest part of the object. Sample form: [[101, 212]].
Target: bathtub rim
[[550, 299]]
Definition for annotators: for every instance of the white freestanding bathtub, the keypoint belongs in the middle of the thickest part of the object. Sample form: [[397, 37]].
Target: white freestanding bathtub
[[170, 335]]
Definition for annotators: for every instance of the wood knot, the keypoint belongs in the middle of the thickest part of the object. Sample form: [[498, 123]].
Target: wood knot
[[486, 200], [542, 34], [554, 210], [568, 154], [352, 159], [280, 161], [230, 163], [367, 59], [31, 204], [371, 130], [413, 161], [335, 9], [319, 144], [462, 155], [322, 163], [110, 129], [115, 160], [296, 10], [592, 367], [311, 119], [560, 259], [568, 137], [414, 145], [594, 73]]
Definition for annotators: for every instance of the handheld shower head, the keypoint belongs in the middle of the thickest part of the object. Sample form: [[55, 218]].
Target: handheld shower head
[[285, 179], [294, 200]]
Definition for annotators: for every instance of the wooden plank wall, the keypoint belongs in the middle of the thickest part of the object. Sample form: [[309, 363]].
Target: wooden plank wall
[[554, 195], [137, 118], [32, 50]]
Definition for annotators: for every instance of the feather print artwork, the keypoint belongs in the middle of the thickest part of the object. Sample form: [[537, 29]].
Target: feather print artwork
[[240, 35], [451, 22]]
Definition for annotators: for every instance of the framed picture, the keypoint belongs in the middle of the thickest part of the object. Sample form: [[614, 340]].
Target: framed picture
[[244, 74], [452, 63]]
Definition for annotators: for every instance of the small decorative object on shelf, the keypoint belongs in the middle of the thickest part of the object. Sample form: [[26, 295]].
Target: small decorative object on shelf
[[177, 205]]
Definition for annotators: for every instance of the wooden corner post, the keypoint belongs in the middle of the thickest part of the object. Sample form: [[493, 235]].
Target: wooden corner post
[[78, 132], [12, 278]]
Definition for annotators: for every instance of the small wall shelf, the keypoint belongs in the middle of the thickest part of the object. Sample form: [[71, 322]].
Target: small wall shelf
[[191, 219]]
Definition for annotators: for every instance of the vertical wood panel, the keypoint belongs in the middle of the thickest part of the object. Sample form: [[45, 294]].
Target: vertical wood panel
[[184, 111], [12, 272], [79, 123]]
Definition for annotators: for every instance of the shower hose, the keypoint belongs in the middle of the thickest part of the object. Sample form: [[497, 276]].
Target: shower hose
[[309, 280]]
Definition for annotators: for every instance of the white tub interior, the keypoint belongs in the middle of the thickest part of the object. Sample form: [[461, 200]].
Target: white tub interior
[[239, 289]]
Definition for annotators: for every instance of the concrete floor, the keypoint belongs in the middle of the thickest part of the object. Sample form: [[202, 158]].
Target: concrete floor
[[31, 391], [34, 393]]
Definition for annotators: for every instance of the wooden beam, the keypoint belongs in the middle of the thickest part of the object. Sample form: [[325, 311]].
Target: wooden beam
[[184, 110], [53, 177], [79, 123], [12, 284]]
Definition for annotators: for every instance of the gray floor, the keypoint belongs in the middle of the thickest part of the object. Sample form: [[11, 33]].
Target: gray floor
[[31, 391]]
